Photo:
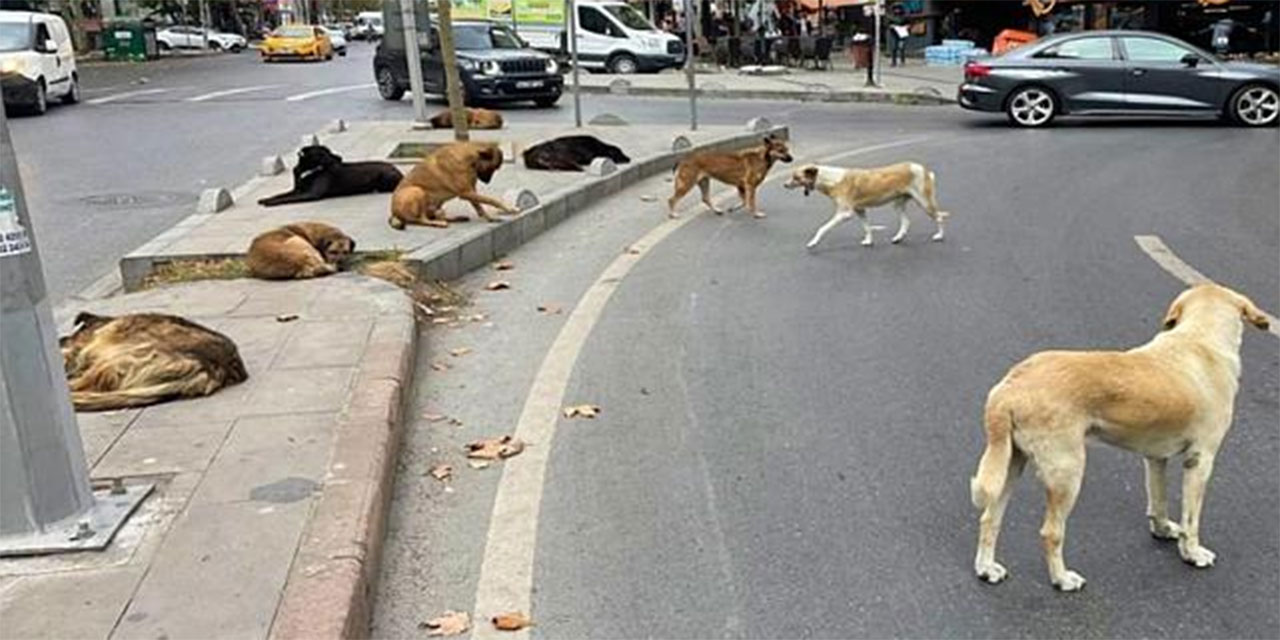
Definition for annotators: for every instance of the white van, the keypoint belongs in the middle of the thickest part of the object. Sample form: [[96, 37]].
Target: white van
[[37, 61], [613, 37]]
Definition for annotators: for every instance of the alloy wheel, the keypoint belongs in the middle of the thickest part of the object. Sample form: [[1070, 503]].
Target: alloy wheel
[[1032, 107], [1258, 106]]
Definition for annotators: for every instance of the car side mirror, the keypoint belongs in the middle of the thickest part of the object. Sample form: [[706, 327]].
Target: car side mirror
[[49, 46], [1191, 60]]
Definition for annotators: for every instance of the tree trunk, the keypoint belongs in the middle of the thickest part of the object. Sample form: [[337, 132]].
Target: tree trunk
[[453, 83]]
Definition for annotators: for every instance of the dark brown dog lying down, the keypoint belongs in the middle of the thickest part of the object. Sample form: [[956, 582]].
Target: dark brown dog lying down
[[449, 172], [476, 119], [142, 359], [298, 250]]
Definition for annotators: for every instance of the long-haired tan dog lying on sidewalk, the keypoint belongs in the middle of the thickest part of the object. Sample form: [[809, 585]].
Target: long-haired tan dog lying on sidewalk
[[299, 250], [138, 360], [744, 169], [476, 119], [856, 190], [449, 172], [1173, 395]]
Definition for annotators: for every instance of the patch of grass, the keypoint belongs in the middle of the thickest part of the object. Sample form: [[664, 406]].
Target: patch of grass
[[192, 270], [414, 150]]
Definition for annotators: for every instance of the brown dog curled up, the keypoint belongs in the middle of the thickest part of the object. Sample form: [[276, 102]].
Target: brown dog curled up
[[299, 250], [447, 173], [476, 119], [142, 359]]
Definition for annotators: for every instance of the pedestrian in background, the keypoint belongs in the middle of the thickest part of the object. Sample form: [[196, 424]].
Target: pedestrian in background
[[898, 40]]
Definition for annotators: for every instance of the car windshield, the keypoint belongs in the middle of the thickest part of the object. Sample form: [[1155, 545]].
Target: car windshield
[[630, 18], [14, 36], [473, 37], [294, 32]]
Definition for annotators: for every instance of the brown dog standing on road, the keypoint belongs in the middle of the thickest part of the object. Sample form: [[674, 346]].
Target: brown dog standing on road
[[138, 360], [449, 172], [1173, 395], [298, 250], [476, 119], [744, 169]]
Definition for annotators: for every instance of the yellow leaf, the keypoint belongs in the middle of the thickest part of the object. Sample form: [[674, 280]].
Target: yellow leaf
[[511, 621], [498, 285], [452, 623], [441, 472], [494, 448]]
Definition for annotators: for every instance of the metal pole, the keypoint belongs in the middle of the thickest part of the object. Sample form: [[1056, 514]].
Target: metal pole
[[204, 23], [689, 71], [453, 79], [571, 15], [878, 7], [413, 56], [46, 504]]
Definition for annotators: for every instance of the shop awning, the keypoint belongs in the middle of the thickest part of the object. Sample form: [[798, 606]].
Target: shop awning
[[832, 4]]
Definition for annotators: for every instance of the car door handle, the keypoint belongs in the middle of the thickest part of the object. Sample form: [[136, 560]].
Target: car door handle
[[1138, 72]]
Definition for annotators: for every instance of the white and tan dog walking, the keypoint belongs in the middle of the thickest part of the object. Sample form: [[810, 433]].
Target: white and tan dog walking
[[856, 190]]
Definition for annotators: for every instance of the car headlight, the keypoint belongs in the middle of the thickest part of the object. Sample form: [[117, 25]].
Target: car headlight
[[13, 65], [467, 64], [552, 66], [490, 68]]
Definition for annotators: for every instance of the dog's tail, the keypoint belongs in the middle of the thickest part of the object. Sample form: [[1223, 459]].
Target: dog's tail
[[993, 469], [931, 194]]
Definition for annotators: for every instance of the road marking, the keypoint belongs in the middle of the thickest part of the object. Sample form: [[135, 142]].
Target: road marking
[[324, 92], [506, 572], [1170, 262], [127, 94], [230, 92]]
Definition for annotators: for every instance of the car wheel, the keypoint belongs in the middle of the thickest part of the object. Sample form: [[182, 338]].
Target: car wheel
[[73, 92], [546, 103], [623, 64], [163, 46], [342, 52], [388, 88], [1255, 105], [214, 45], [235, 48], [1032, 107]]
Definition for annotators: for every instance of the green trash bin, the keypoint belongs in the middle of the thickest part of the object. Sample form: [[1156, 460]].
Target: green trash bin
[[130, 40]]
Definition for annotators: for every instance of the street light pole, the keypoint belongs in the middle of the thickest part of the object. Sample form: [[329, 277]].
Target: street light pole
[[413, 56], [571, 15], [688, 65]]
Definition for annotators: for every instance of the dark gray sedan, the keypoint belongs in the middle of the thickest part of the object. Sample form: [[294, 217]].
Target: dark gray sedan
[[1119, 73]]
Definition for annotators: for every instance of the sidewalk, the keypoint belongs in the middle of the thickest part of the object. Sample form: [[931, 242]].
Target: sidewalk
[[913, 84]]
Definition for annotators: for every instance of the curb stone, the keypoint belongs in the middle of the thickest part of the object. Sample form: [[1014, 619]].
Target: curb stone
[[827, 95]]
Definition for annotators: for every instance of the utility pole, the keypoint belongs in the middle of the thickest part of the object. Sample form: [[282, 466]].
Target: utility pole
[[571, 16], [689, 70], [46, 504], [453, 83], [204, 23], [413, 57]]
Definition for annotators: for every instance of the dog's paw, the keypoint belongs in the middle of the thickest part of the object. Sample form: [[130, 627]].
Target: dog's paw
[[1197, 556], [759, 214], [895, 240], [867, 242], [673, 215], [937, 237], [991, 573], [1164, 529], [1070, 581]]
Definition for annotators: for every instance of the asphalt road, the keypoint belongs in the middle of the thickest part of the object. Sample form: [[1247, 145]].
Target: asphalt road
[[787, 437]]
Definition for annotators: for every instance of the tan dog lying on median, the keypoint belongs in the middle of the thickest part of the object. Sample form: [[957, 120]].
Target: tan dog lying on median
[[1173, 395], [298, 250], [449, 172], [856, 190], [476, 119], [744, 169]]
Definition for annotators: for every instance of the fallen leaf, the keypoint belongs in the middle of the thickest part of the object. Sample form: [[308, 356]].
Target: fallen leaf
[[434, 417], [582, 411], [440, 366], [441, 472], [459, 352], [504, 265], [478, 464], [648, 198], [553, 309], [288, 317], [494, 448], [633, 251], [455, 422], [498, 285], [513, 621], [452, 623], [441, 320]]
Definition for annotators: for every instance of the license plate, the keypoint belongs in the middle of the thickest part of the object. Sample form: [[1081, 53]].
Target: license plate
[[528, 84]]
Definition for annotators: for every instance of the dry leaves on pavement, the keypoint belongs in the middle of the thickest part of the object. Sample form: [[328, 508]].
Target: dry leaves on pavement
[[494, 448], [452, 623], [582, 411], [633, 251], [288, 317], [553, 309], [512, 621], [459, 352], [498, 285], [441, 472], [504, 265], [440, 366], [478, 464]]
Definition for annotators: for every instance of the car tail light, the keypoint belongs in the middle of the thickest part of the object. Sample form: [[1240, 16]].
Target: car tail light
[[976, 70]]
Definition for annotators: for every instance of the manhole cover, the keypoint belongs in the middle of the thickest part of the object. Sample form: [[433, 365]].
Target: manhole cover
[[140, 200]]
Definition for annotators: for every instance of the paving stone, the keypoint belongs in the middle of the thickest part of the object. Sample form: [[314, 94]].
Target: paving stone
[[263, 450], [98, 430], [324, 344], [173, 449], [287, 391], [58, 606]]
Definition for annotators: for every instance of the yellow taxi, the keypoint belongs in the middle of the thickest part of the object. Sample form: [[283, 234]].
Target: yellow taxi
[[297, 41]]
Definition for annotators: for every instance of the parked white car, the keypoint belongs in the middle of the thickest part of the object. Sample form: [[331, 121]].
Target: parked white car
[[181, 37], [336, 38], [368, 26], [37, 61], [612, 37]]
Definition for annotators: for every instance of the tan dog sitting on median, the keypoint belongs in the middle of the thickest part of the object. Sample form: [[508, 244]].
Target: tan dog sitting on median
[[476, 119], [298, 250], [449, 172], [744, 169], [1174, 395], [856, 190]]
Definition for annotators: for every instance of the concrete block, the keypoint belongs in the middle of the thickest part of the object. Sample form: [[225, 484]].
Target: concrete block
[[681, 143], [555, 212], [476, 251], [505, 238], [271, 166], [68, 604], [175, 449], [214, 200], [601, 167], [607, 120], [759, 124], [338, 126], [294, 391], [521, 198], [336, 343], [442, 265], [272, 459], [309, 140], [620, 86], [531, 224]]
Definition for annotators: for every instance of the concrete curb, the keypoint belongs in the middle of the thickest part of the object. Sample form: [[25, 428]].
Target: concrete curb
[[331, 584], [826, 95]]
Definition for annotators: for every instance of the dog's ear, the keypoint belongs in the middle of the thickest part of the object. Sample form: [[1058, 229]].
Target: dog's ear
[[810, 179], [488, 161], [1253, 314], [1174, 315]]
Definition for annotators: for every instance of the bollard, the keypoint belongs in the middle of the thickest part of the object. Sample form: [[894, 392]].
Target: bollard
[[759, 124], [681, 143], [620, 86], [214, 200], [271, 166], [601, 167], [522, 199], [607, 120], [310, 139], [338, 126]]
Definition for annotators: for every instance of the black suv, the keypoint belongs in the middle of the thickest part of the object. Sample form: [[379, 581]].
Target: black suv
[[494, 63]]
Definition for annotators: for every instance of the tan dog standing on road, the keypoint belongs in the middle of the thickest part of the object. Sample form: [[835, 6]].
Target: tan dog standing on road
[[476, 119], [744, 169], [298, 250], [856, 190], [1173, 395], [449, 172]]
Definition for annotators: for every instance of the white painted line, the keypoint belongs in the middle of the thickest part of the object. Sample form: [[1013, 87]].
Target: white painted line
[[506, 572], [1170, 262], [324, 92], [230, 92], [123, 96]]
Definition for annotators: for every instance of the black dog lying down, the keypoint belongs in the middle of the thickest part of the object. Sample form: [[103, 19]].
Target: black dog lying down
[[571, 153], [322, 174]]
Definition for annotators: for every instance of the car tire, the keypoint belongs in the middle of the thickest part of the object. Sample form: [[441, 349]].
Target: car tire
[[214, 45], [388, 88], [1255, 105], [40, 105], [342, 52], [163, 46], [235, 48], [1031, 106], [546, 103], [623, 63], [73, 92]]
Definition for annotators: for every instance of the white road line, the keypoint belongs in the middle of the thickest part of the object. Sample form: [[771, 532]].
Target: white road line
[[123, 96], [230, 92], [1170, 262], [324, 92], [506, 572]]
